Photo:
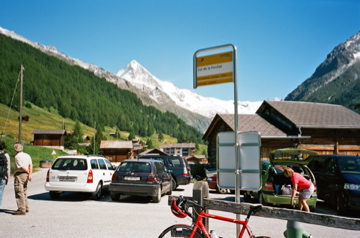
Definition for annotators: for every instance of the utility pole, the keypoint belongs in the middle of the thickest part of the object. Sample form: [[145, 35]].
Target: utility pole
[[21, 101], [94, 137]]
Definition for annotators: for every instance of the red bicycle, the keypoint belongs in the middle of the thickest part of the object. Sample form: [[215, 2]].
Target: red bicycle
[[180, 208]]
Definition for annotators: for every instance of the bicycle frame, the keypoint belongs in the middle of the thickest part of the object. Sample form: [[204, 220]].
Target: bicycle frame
[[200, 225]]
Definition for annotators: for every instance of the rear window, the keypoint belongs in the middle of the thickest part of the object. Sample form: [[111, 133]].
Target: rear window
[[143, 167], [70, 164]]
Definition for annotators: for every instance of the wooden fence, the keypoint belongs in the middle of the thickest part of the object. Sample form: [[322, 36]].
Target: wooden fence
[[201, 194]]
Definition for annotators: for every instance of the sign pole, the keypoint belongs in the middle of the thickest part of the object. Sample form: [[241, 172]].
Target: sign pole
[[216, 69], [236, 126]]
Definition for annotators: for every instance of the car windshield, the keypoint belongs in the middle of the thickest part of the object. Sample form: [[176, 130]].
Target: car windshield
[[143, 167], [70, 164], [349, 165]]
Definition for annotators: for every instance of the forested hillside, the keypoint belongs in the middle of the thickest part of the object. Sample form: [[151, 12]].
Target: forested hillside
[[80, 95]]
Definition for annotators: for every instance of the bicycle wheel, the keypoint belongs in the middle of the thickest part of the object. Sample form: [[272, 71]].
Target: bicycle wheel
[[179, 231]]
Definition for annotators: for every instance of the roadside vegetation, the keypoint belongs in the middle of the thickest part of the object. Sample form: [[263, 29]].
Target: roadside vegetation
[[44, 119]]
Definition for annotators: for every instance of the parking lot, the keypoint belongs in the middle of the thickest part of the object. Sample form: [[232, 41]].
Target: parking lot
[[75, 215]]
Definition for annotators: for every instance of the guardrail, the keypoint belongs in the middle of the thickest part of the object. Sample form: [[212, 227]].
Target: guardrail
[[201, 194]]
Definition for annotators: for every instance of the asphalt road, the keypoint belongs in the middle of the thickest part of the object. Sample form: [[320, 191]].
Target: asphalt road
[[75, 215]]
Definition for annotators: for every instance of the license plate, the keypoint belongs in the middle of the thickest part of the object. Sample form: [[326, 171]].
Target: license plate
[[67, 178], [132, 178]]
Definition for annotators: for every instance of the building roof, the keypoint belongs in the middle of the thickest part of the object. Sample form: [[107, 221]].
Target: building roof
[[48, 132], [272, 114], [153, 151], [178, 145], [115, 144], [247, 122], [314, 115], [196, 157]]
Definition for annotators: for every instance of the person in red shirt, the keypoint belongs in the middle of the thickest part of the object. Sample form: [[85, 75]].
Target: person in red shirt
[[306, 188]]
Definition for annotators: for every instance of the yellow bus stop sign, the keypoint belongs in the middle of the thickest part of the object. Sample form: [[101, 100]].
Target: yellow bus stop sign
[[214, 69]]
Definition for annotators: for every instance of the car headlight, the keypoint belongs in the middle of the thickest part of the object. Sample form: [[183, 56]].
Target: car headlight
[[352, 186]]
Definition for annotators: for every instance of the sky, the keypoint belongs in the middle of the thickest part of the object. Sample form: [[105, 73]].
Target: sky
[[279, 43]]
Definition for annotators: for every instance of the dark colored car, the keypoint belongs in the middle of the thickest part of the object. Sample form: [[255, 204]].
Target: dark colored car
[[338, 180], [176, 165], [140, 178], [211, 178], [275, 186]]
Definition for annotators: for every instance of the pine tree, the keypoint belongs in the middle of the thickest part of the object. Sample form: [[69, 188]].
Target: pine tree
[[131, 136], [160, 136]]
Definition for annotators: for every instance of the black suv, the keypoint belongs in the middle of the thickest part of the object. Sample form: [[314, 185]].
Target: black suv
[[338, 180], [140, 178], [176, 165]]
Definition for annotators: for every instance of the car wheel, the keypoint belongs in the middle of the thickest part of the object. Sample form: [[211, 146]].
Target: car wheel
[[97, 194], [115, 196], [247, 196], [312, 208], [173, 184], [261, 199], [170, 190], [157, 197], [340, 208], [54, 195], [221, 190]]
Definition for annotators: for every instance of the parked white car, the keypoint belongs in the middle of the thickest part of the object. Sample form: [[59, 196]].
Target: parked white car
[[79, 173]]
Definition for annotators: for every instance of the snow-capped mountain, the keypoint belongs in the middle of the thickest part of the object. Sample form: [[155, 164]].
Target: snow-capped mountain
[[161, 91]]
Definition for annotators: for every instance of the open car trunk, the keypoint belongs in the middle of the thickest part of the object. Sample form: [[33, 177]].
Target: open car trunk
[[282, 185]]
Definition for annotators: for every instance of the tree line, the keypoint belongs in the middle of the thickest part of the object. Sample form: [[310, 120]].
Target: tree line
[[80, 95]]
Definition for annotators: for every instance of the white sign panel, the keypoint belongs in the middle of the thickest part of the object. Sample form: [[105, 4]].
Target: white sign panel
[[249, 155]]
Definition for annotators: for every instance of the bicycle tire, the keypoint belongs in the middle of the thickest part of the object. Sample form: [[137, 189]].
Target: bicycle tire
[[179, 231]]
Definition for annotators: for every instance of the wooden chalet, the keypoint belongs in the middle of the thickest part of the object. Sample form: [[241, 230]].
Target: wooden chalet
[[197, 159], [324, 128], [153, 151], [49, 138], [116, 151]]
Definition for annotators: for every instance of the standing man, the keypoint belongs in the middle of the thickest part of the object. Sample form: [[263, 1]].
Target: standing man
[[23, 174], [4, 169]]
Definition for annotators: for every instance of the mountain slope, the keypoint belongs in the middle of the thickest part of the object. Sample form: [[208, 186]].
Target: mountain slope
[[336, 80], [195, 110], [166, 92], [79, 94]]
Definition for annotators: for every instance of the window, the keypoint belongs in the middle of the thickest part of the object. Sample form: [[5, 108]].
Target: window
[[70, 164], [94, 164], [109, 165], [135, 167], [102, 164], [160, 168], [174, 162]]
